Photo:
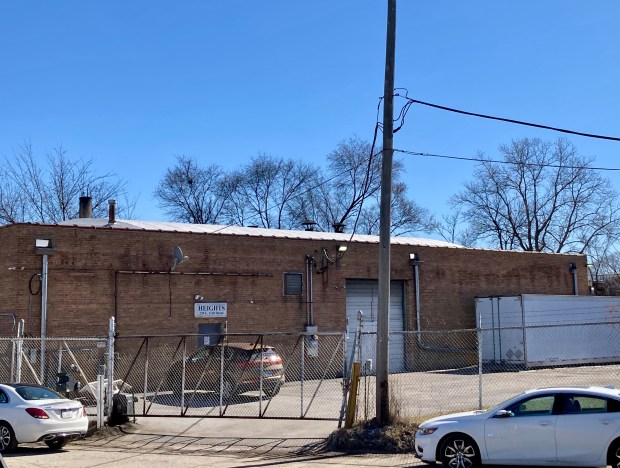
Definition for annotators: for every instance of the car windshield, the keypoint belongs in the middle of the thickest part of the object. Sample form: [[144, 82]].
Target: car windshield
[[38, 393]]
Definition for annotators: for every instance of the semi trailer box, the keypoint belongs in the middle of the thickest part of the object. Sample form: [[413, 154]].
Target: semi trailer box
[[534, 330]]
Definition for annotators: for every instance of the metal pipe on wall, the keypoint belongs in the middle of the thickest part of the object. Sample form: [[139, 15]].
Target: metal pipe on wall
[[575, 282], [43, 314], [309, 296], [415, 261]]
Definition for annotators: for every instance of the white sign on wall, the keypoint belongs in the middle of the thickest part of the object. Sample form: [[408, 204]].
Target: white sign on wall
[[210, 309]]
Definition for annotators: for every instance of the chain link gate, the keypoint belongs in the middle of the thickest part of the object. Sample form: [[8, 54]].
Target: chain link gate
[[276, 376]]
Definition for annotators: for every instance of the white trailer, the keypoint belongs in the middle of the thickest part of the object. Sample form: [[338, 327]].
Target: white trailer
[[533, 330]]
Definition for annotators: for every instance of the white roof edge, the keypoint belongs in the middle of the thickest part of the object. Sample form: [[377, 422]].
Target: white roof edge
[[249, 231]]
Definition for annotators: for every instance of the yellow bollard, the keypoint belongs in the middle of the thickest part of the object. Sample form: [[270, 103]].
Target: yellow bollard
[[355, 379]]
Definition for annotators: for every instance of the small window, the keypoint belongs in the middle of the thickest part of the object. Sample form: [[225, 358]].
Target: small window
[[292, 284], [3, 397]]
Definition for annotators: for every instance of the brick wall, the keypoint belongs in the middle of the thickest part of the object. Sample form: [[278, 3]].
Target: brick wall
[[98, 273]]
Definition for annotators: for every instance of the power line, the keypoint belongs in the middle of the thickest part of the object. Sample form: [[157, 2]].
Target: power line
[[502, 119], [497, 161]]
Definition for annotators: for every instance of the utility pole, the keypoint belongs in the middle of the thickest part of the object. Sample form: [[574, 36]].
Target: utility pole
[[382, 390]]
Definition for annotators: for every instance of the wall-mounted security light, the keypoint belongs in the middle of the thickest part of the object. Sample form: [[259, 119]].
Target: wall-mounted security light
[[43, 243], [342, 248], [415, 259], [198, 297]]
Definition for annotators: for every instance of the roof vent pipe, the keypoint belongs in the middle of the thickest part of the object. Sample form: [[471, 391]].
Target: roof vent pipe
[[111, 211], [86, 207]]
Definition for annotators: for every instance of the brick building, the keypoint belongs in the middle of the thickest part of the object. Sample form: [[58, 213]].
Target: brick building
[[254, 280]]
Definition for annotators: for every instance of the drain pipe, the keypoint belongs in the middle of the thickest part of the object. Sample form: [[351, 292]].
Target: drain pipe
[[415, 262], [309, 296], [572, 267], [43, 316]]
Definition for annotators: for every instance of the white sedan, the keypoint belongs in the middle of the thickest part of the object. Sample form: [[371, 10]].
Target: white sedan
[[32, 413], [567, 426]]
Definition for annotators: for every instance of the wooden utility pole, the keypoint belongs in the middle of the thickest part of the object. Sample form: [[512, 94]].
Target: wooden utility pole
[[383, 401]]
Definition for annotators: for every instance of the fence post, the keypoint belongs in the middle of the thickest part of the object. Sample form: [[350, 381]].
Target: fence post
[[303, 371], [19, 351], [100, 398], [480, 374], [112, 333], [146, 376]]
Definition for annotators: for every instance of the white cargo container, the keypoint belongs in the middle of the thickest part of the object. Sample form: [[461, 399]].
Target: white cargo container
[[540, 330]]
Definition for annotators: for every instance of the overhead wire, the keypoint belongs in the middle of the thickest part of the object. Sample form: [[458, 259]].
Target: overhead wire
[[405, 109], [497, 161], [400, 118]]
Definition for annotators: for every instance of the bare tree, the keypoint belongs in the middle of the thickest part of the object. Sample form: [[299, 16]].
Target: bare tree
[[265, 191], [347, 196], [450, 229], [544, 197], [29, 192], [407, 216], [193, 194]]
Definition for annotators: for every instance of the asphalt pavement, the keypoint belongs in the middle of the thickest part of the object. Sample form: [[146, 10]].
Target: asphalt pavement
[[202, 442]]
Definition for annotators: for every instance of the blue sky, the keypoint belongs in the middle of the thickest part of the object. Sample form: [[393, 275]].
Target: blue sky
[[131, 84]]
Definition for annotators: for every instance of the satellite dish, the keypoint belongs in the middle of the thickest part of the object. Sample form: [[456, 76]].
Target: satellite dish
[[177, 257]]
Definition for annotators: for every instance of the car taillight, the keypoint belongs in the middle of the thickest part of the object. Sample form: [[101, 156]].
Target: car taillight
[[37, 413], [84, 411]]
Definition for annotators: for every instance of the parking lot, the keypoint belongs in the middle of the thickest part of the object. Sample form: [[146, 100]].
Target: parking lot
[[238, 442]]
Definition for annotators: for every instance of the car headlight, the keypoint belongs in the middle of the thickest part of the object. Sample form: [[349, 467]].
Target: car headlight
[[427, 430]]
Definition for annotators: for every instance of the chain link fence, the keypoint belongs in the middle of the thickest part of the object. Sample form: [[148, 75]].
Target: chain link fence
[[460, 370], [301, 375], [68, 365]]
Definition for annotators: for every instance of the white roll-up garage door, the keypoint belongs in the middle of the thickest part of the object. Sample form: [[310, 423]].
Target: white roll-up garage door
[[364, 295]]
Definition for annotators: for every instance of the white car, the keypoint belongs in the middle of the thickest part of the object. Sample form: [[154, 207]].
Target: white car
[[32, 413], [567, 426]]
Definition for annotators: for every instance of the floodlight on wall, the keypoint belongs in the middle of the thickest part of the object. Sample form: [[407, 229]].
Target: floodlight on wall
[[43, 243], [328, 259]]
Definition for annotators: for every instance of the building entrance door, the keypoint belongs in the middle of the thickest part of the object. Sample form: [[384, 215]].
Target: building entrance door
[[209, 334]]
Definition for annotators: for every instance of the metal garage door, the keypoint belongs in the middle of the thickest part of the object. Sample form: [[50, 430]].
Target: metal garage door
[[364, 295]]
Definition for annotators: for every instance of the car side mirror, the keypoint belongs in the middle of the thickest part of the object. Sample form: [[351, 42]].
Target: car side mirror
[[503, 414]]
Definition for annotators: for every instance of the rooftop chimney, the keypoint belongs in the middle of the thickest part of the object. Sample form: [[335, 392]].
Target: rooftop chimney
[[111, 211], [86, 207]]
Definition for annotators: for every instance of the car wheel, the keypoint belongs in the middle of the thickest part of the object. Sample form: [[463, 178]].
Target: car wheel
[[8, 442], [459, 451], [613, 454], [56, 444]]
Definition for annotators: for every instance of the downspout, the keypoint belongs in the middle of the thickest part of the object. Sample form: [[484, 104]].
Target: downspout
[[309, 296], [116, 297], [415, 261], [43, 315], [572, 267]]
